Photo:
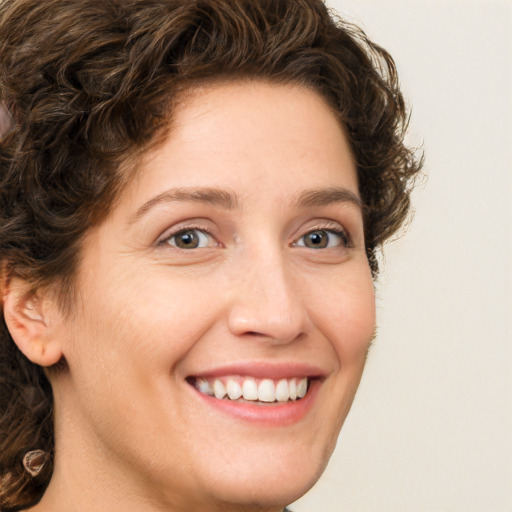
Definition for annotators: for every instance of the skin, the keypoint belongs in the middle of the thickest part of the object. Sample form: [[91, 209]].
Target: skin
[[131, 432]]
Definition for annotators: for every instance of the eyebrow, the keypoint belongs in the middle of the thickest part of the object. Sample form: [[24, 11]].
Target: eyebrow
[[230, 201], [327, 196], [207, 195]]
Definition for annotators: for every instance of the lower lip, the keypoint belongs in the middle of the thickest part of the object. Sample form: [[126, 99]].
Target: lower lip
[[275, 414]]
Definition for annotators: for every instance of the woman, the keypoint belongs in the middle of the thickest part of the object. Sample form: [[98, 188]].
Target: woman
[[192, 194]]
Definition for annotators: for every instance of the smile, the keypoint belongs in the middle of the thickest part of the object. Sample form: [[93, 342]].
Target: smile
[[251, 389], [262, 394]]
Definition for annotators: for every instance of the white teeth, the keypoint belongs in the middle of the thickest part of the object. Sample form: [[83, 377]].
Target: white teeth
[[267, 391], [233, 389], [282, 393], [219, 389], [292, 388], [302, 388], [205, 387], [250, 389]]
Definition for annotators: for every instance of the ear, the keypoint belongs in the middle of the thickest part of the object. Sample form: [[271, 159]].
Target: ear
[[32, 318]]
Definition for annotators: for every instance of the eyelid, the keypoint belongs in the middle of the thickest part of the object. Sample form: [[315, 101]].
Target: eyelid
[[329, 226], [163, 240], [324, 225], [339, 237]]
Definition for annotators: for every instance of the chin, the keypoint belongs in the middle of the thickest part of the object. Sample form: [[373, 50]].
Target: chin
[[268, 482], [264, 493]]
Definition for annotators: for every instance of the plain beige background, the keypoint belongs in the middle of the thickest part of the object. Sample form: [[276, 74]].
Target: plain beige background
[[431, 427]]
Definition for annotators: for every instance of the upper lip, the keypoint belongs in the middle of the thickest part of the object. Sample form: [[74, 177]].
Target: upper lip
[[259, 370]]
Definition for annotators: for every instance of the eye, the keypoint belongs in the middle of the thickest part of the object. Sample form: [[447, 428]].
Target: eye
[[190, 239], [323, 239]]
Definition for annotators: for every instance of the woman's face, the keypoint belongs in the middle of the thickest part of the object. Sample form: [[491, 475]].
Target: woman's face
[[234, 262]]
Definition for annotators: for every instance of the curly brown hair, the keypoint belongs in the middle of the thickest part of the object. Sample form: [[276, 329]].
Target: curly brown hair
[[87, 87]]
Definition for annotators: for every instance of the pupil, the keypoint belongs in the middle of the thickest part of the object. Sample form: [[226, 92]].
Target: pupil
[[187, 239], [317, 239]]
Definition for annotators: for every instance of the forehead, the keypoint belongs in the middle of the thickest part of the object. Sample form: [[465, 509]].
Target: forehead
[[277, 138]]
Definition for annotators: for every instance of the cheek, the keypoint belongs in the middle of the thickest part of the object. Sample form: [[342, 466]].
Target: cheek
[[125, 344], [345, 315], [146, 325]]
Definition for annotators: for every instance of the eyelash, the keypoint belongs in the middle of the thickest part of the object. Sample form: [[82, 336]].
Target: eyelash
[[339, 233], [345, 241], [181, 231]]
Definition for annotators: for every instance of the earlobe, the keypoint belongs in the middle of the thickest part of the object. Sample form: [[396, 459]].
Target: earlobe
[[31, 321]]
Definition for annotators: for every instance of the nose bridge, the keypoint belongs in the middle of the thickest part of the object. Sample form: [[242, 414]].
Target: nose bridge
[[266, 300]]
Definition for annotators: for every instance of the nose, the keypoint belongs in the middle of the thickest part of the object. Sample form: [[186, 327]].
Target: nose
[[267, 302]]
